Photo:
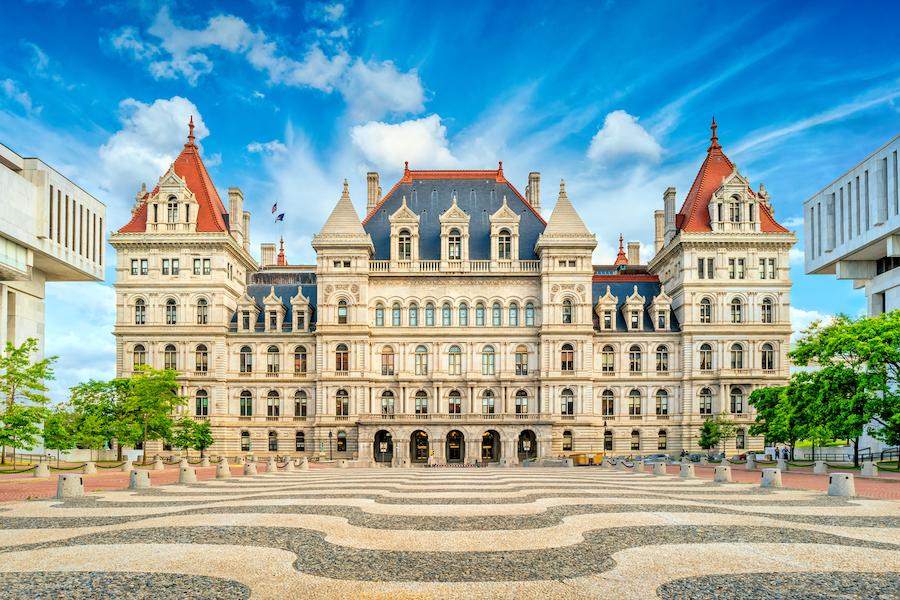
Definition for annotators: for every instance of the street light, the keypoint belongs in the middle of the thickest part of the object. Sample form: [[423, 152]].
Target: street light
[[604, 439], [330, 452]]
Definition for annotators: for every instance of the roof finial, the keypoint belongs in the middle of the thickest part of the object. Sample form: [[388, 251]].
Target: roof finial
[[562, 188], [621, 257], [282, 261], [714, 139], [191, 131], [500, 168], [346, 192]]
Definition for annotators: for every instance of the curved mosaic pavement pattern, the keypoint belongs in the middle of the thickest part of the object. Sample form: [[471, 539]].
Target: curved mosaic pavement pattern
[[481, 533], [795, 586], [136, 586]]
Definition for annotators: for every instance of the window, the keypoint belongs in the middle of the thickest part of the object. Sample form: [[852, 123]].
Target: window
[[487, 402], [300, 442], [300, 403], [463, 315], [421, 403], [662, 402], [504, 245], [705, 401], [706, 268], [169, 359], [771, 268], [429, 315], [635, 319], [479, 315], [454, 406], [567, 312], [413, 315], [513, 315], [172, 212], [487, 360], [387, 403], [245, 320], [662, 441], [273, 441], [454, 361], [737, 400], [607, 319], [496, 314], [145, 266], [635, 439], [273, 404], [201, 403], [301, 320], [634, 402], [661, 320], [342, 358], [140, 312], [445, 314], [454, 245], [300, 359], [245, 441], [737, 356], [567, 358], [736, 268], [196, 266], [607, 440], [342, 403], [171, 312], [387, 361], [529, 314], [379, 315], [740, 439], [201, 359], [706, 311], [395, 315], [165, 266], [202, 311], [342, 312], [662, 359], [706, 362], [246, 359], [134, 266], [246, 404], [207, 266], [737, 311], [767, 357], [341, 445], [767, 311], [567, 402], [521, 402], [404, 245], [175, 268], [521, 360], [273, 359], [607, 360], [607, 403], [273, 320], [634, 359], [734, 212], [421, 360], [567, 441]]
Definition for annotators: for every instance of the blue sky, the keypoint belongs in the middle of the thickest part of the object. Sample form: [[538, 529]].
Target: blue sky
[[291, 98]]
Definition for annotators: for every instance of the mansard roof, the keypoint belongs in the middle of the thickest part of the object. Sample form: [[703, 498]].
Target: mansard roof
[[259, 292], [211, 215], [694, 213], [623, 285], [429, 194]]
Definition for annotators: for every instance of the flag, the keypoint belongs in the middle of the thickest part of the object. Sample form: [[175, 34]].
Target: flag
[[280, 217], [274, 208]]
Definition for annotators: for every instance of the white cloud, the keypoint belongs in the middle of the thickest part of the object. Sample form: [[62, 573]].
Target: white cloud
[[419, 141], [14, 92], [801, 319], [796, 256], [333, 12], [128, 41], [793, 222], [622, 136], [273, 147], [376, 88]]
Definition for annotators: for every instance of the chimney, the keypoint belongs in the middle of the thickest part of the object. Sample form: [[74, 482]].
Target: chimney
[[246, 229], [669, 207], [659, 219], [373, 190], [533, 190], [266, 255], [634, 253], [236, 214]]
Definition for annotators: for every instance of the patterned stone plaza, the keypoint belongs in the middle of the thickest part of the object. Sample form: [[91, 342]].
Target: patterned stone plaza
[[440, 533]]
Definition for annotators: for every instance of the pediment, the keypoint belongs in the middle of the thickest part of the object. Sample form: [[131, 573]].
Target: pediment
[[635, 298], [454, 214], [735, 182], [404, 214], [271, 299], [505, 214], [299, 299], [246, 301], [662, 298], [607, 300]]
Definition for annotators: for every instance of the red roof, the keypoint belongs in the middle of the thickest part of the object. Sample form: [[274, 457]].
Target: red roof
[[189, 166], [625, 278], [621, 258], [694, 213]]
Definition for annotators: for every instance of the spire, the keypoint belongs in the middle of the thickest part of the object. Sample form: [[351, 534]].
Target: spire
[[500, 169], [343, 219], [282, 261], [562, 188], [405, 168], [621, 258], [564, 220], [190, 141], [714, 139]]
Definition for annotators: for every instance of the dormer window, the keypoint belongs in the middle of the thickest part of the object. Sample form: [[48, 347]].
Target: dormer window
[[273, 320], [504, 245], [404, 233], [454, 245], [734, 210], [404, 245], [661, 320], [504, 233], [301, 320], [607, 319], [245, 320], [635, 319], [172, 210]]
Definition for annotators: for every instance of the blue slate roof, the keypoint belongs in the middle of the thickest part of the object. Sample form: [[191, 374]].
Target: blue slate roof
[[622, 290], [430, 197], [259, 291]]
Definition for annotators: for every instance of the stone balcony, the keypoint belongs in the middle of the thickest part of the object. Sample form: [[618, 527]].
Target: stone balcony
[[454, 266]]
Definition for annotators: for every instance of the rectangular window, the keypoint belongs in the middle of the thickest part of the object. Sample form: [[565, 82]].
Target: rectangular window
[[165, 266], [607, 319], [732, 273], [740, 268], [868, 211], [273, 320], [387, 363], [134, 266], [771, 268], [701, 271], [207, 269], [635, 320], [145, 266], [66, 239], [175, 266], [245, 320], [81, 222], [196, 266], [762, 268], [51, 212]]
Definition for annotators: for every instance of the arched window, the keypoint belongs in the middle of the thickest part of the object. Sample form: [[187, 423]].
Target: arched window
[[201, 403], [706, 310], [454, 360], [635, 439], [487, 360], [202, 311], [567, 402], [273, 441], [300, 403], [529, 314], [737, 400], [768, 311], [245, 404], [395, 314], [139, 355], [413, 320], [273, 360], [567, 441], [342, 403], [300, 442], [421, 359], [429, 315], [705, 401], [170, 360], [634, 402], [201, 359], [662, 359], [706, 357], [634, 359], [171, 312], [421, 403], [404, 245], [454, 245], [496, 314], [607, 360], [140, 312], [341, 358], [767, 357], [387, 403], [300, 363], [246, 359], [521, 360], [662, 402], [487, 402], [737, 356], [446, 315], [607, 440], [463, 315], [479, 315], [734, 210], [567, 311], [342, 312], [504, 245], [245, 441], [607, 403], [567, 358], [737, 311], [172, 210], [740, 439], [341, 442], [273, 404], [513, 315], [521, 402], [379, 315], [387, 361], [454, 403], [662, 440]]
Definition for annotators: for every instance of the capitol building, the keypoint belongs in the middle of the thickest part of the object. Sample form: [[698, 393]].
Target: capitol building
[[452, 323]]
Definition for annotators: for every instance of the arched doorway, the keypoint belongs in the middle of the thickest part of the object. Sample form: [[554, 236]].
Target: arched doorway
[[490, 446], [384, 447], [456, 446], [418, 446], [527, 445]]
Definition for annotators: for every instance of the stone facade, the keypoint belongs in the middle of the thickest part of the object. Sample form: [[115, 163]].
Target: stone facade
[[453, 323]]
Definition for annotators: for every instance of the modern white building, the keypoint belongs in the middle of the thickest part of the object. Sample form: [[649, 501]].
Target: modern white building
[[853, 228], [50, 230]]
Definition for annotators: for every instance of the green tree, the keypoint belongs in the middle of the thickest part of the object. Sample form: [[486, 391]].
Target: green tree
[[150, 401], [106, 399], [709, 434], [91, 430], [183, 435], [22, 384], [766, 401], [727, 429], [58, 432], [203, 437], [19, 427]]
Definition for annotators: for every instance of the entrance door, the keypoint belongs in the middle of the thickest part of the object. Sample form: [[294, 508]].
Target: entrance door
[[456, 449], [419, 446], [490, 446], [527, 445], [384, 447]]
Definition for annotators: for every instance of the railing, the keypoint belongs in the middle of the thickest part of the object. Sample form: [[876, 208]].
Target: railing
[[662, 417], [271, 373], [455, 266], [270, 418], [201, 373], [245, 418], [472, 417], [342, 373], [201, 417], [635, 417], [341, 418], [568, 417], [299, 418], [522, 415], [423, 416]]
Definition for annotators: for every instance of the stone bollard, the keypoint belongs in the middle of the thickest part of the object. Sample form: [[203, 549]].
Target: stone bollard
[[187, 475], [222, 470], [820, 468], [42, 470], [770, 478], [751, 463], [271, 466], [139, 479], [183, 463], [250, 468], [722, 474], [704, 461], [204, 462], [289, 466], [70, 485], [659, 468], [89, 468], [620, 466], [869, 469], [841, 484], [782, 465], [126, 466], [158, 464], [239, 460], [687, 471], [304, 465], [638, 466]]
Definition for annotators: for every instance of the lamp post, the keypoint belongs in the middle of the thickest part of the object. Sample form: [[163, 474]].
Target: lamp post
[[604, 439], [330, 451]]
